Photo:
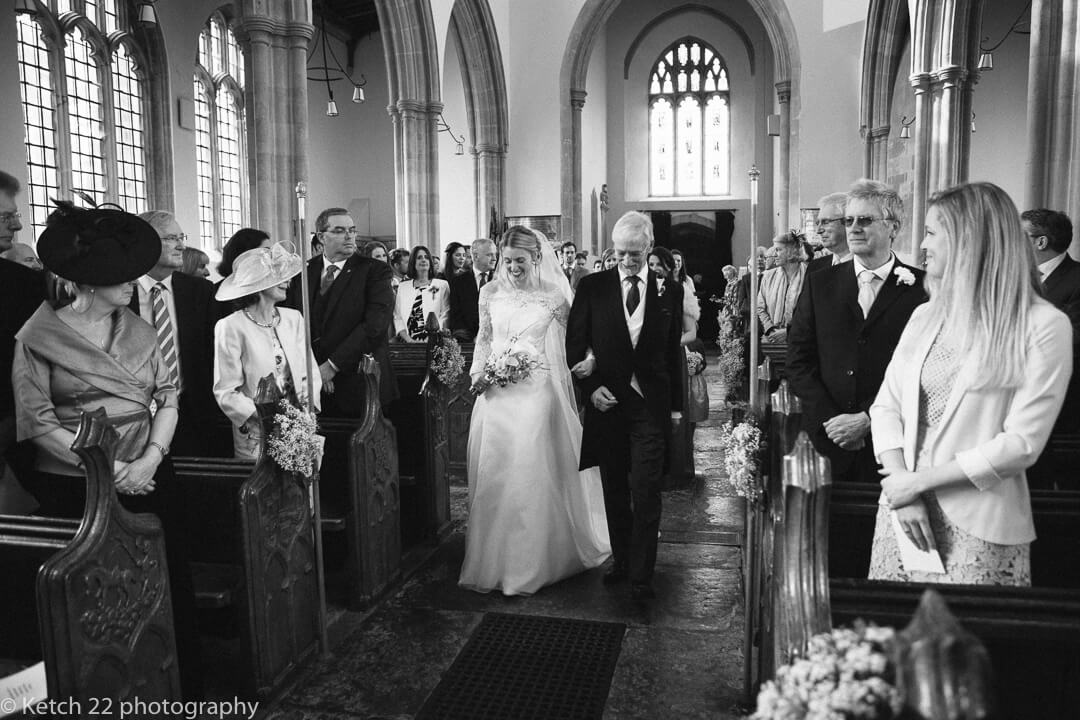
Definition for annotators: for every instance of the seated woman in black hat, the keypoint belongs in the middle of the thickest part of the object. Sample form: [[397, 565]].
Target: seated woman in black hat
[[91, 353]]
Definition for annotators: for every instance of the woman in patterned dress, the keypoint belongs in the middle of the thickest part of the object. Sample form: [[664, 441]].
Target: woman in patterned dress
[[969, 398], [418, 296], [259, 339]]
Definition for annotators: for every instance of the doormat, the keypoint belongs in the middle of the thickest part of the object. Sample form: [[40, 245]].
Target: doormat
[[520, 667]]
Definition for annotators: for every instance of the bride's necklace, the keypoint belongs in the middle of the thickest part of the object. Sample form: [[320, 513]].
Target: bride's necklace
[[270, 325]]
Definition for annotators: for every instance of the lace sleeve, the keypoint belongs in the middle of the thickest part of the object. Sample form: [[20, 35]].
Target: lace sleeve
[[482, 349], [560, 309]]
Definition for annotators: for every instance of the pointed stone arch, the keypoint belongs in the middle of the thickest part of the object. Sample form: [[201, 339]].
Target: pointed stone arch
[[412, 69], [887, 35], [590, 22], [480, 59]]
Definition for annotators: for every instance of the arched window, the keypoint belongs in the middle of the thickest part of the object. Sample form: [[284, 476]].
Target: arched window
[[83, 82], [220, 135], [689, 122]]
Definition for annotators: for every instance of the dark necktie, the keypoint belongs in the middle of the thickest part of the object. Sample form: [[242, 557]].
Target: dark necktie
[[483, 279], [633, 296], [328, 279]]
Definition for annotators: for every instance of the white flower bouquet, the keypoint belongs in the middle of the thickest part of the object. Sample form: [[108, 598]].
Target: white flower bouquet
[[695, 362], [847, 673], [514, 364], [294, 443], [742, 448], [447, 362]]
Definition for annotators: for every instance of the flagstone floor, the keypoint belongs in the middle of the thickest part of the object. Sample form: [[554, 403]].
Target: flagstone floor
[[681, 657]]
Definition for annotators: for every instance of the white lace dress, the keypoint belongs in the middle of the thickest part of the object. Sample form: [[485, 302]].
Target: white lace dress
[[534, 518], [968, 560]]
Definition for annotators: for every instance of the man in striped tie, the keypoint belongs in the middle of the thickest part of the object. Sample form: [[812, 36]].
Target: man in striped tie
[[182, 310]]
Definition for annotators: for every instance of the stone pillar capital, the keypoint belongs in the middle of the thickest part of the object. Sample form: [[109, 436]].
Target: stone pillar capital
[[878, 133], [920, 82], [577, 98], [783, 91], [950, 76]]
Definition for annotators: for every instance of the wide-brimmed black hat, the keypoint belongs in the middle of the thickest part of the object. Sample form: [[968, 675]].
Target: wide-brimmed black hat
[[99, 246]]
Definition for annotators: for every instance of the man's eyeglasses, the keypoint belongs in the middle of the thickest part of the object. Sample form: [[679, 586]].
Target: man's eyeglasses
[[9, 216], [862, 220], [182, 237], [826, 222], [342, 231]]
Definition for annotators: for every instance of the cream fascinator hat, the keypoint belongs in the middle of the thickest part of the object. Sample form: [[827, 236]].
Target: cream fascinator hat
[[260, 269]]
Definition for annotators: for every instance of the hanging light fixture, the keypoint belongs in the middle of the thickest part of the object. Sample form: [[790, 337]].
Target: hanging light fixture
[[972, 122], [25, 7], [327, 73], [986, 54], [444, 127], [905, 127], [148, 13]]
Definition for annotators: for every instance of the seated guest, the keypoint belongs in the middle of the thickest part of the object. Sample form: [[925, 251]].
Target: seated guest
[[260, 339], [399, 264], [182, 310], [608, 259], [846, 324], [464, 317], [969, 398], [780, 286], [23, 254], [455, 259], [375, 250], [419, 296], [830, 230], [92, 354], [195, 262], [350, 301]]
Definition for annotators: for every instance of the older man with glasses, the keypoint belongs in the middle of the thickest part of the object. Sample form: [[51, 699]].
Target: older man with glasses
[[830, 230], [181, 308], [845, 328], [351, 303]]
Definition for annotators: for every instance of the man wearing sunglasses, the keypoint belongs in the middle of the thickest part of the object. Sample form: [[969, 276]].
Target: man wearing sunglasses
[[830, 230], [845, 327]]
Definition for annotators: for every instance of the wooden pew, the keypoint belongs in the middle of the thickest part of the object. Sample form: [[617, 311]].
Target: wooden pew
[[253, 549], [776, 353], [101, 591]]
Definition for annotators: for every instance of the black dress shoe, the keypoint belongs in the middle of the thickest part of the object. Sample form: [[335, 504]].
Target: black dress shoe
[[615, 574], [642, 591]]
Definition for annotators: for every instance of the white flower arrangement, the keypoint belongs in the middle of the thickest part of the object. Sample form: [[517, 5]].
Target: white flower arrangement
[[294, 444], [447, 362], [742, 445], [847, 673], [904, 276]]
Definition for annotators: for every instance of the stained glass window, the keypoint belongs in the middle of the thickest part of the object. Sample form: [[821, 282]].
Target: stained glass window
[[689, 122], [220, 133], [83, 97]]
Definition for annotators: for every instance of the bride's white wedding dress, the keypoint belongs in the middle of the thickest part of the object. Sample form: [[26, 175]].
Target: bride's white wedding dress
[[534, 518]]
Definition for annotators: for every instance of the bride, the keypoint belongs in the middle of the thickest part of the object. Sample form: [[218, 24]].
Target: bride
[[534, 518]]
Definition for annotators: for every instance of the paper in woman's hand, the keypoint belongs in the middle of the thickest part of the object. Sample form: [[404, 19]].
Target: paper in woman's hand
[[912, 558]]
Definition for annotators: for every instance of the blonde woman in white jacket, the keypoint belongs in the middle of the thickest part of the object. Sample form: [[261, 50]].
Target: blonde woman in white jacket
[[260, 339], [969, 398]]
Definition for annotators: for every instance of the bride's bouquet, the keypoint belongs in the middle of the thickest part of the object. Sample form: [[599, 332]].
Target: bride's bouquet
[[512, 365]]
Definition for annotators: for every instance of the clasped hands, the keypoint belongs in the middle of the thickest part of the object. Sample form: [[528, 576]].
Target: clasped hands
[[136, 477], [848, 430], [903, 492]]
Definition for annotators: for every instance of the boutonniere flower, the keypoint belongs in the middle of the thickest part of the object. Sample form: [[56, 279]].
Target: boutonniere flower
[[904, 276], [434, 291], [661, 286]]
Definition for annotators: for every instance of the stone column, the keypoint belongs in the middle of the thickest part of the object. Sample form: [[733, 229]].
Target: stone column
[[783, 185], [489, 162], [922, 137], [277, 112], [952, 87], [876, 159], [570, 224], [417, 167], [1042, 57]]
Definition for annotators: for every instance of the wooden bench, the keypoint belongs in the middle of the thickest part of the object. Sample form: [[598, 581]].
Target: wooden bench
[[93, 595], [253, 550]]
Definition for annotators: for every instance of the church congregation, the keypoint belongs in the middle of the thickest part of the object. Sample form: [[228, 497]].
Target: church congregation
[[272, 362]]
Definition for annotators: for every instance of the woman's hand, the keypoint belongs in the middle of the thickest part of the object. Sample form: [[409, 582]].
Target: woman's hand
[[250, 425], [901, 487], [584, 368], [479, 384], [137, 476], [915, 522]]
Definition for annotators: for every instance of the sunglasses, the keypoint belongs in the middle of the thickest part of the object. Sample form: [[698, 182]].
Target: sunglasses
[[862, 220]]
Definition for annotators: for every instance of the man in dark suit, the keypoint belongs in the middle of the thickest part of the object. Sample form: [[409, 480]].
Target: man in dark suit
[[846, 325], [351, 304], [634, 393], [183, 311], [571, 269], [1050, 233], [830, 230], [22, 291], [464, 320]]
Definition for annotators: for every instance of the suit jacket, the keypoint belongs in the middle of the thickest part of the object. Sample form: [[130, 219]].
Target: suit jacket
[[574, 276], [994, 434], [464, 305], [836, 359], [819, 263], [196, 314], [350, 321], [22, 291], [597, 321], [1062, 288]]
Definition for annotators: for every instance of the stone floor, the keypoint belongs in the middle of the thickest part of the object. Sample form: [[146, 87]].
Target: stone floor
[[681, 657]]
